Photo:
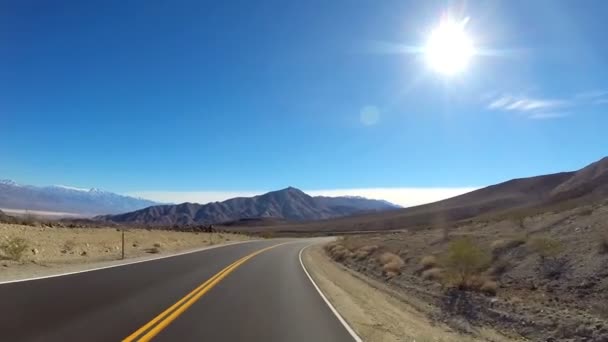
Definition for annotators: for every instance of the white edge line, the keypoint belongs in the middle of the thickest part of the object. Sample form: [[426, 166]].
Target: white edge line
[[125, 263], [333, 309]]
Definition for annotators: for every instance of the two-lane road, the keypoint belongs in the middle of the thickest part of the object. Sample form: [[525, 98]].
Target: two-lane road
[[254, 291]]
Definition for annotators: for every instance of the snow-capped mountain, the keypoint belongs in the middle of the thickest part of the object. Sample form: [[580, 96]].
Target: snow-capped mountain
[[67, 199]]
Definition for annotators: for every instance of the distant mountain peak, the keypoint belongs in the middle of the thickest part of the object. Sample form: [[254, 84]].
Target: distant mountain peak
[[290, 204], [68, 199], [8, 182]]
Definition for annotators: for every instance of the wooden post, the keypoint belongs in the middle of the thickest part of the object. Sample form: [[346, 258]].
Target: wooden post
[[123, 244]]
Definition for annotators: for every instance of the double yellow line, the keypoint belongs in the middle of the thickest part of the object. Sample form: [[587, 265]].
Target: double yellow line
[[160, 322]]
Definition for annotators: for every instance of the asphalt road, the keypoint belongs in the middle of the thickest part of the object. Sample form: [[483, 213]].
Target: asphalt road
[[265, 297]]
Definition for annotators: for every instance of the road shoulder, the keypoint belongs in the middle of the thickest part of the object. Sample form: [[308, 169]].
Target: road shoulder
[[368, 306]]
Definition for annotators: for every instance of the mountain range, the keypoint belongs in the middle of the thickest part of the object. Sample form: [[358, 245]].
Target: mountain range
[[57, 198], [556, 191], [289, 204]]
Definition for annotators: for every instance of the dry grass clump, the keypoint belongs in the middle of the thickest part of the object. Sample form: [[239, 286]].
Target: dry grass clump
[[13, 248], [545, 246], [500, 267], [391, 263], [489, 287], [365, 251], [428, 261], [434, 273], [338, 252], [69, 245], [509, 243]]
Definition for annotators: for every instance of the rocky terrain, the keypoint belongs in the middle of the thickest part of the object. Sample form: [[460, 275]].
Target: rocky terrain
[[542, 277]]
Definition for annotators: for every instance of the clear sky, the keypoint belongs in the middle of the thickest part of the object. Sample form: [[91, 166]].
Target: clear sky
[[185, 98]]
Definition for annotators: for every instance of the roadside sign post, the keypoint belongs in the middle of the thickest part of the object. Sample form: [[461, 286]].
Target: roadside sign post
[[122, 257]]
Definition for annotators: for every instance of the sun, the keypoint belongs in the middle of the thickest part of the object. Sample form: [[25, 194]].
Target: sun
[[449, 48]]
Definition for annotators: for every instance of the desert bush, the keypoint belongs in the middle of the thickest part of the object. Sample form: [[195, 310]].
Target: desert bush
[[499, 267], [463, 263], [13, 248], [157, 245], [434, 273], [489, 287], [153, 250], [391, 263], [338, 252], [69, 245], [545, 246], [428, 261], [500, 246], [365, 251]]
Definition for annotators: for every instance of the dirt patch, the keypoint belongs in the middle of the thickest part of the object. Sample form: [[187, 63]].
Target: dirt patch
[[547, 278], [57, 250], [375, 311]]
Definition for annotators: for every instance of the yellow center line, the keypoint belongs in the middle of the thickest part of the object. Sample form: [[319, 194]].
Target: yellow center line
[[158, 323]]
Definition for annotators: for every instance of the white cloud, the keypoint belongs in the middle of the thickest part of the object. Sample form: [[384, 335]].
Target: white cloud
[[525, 104], [405, 197], [543, 116], [543, 108]]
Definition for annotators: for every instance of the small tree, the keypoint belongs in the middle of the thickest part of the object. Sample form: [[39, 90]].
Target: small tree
[[463, 262]]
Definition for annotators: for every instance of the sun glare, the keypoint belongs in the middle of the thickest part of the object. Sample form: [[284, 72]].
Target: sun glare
[[449, 48]]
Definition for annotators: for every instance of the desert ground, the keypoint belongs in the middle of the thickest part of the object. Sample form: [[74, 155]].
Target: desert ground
[[28, 251], [542, 277]]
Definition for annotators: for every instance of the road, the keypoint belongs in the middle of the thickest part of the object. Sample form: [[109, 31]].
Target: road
[[266, 296]]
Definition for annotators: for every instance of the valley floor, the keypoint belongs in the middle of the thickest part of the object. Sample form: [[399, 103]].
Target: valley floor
[[27, 251]]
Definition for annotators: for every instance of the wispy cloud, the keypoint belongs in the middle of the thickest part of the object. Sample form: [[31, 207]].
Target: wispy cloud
[[544, 108], [526, 104], [593, 97], [405, 197]]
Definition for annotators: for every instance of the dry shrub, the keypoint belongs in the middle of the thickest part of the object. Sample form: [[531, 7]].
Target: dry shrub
[[550, 265], [365, 251], [463, 262], [500, 267], [506, 244], [428, 261], [338, 252], [391, 263], [434, 273], [69, 245], [13, 248], [545, 246], [489, 287]]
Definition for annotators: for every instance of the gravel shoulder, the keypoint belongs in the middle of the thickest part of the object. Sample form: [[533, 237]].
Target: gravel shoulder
[[374, 311], [55, 250]]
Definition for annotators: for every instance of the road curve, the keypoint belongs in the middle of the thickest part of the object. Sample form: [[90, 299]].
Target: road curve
[[201, 296]]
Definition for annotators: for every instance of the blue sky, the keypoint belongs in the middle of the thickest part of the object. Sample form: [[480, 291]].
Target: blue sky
[[176, 99]]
